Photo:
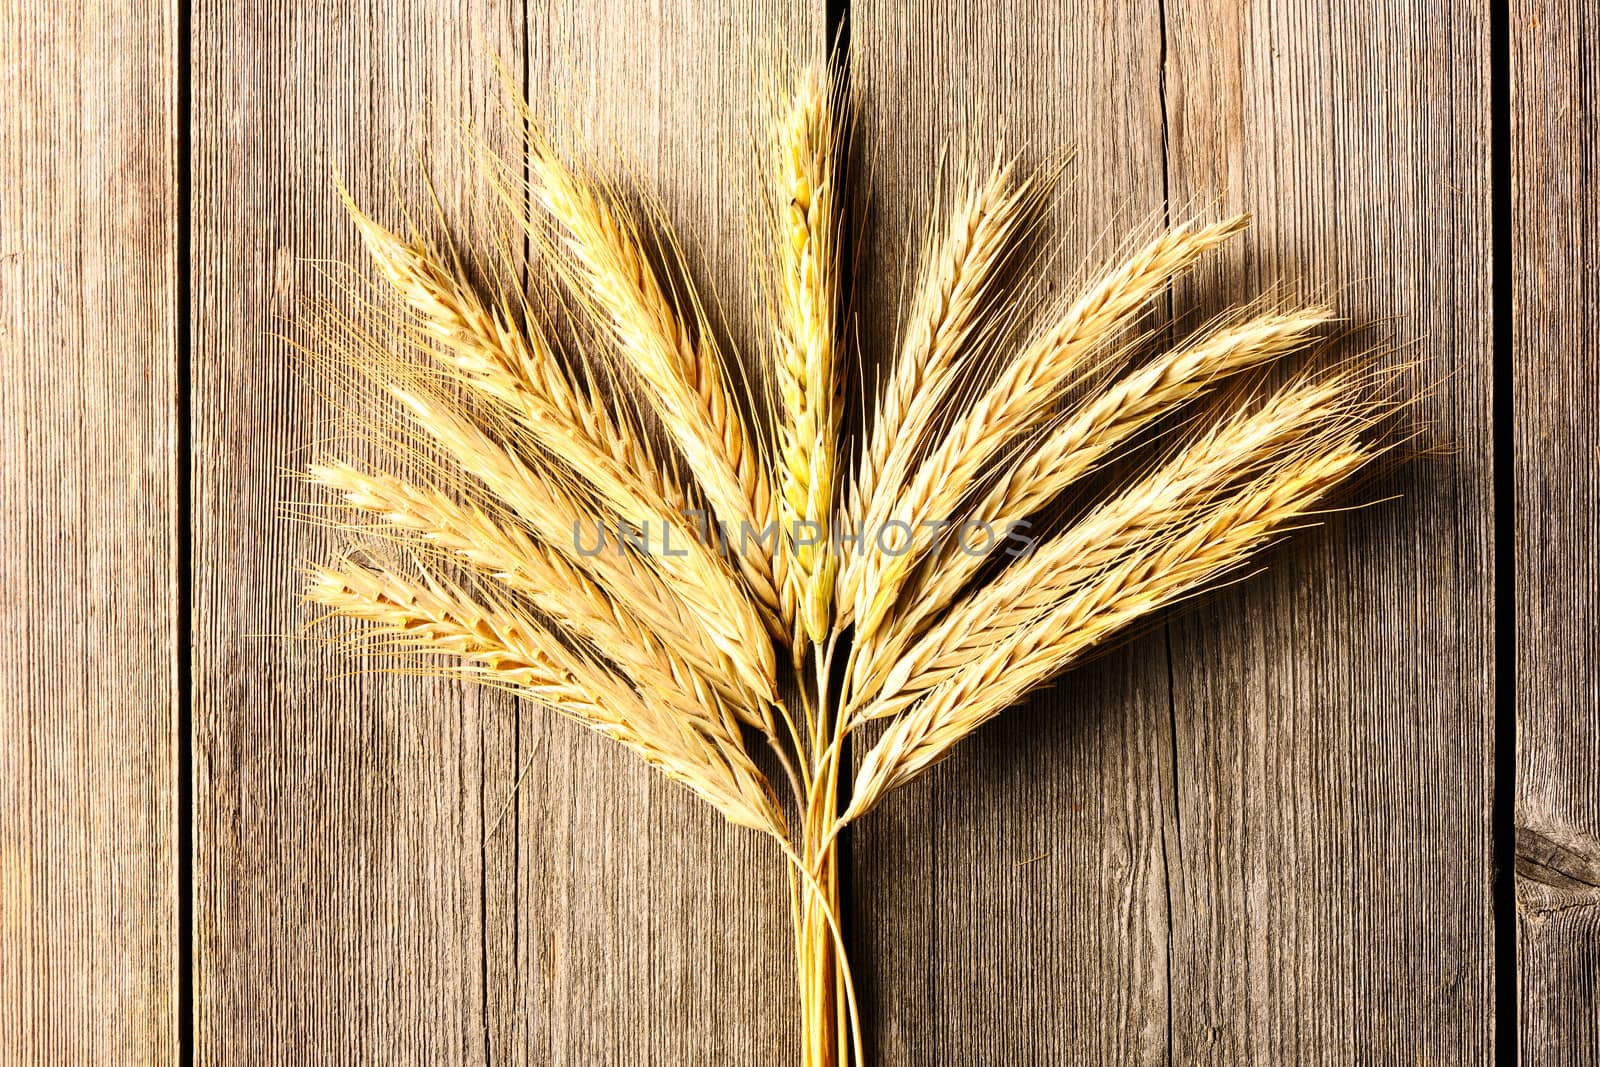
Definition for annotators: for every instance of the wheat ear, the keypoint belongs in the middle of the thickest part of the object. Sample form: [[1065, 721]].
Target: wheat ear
[[1018, 400], [954, 285], [684, 587], [681, 368], [805, 219], [501, 646], [672, 663], [704, 592], [1082, 441], [1217, 542], [579, 443], [511, 363], [1298, 418]]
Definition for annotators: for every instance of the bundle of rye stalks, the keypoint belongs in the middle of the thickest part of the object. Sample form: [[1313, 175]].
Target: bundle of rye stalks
[[591, 517]]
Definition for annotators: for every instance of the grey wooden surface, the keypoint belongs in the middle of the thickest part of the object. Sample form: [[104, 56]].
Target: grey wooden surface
[[1335, 783], [340, 884], [88, 565], [373, 883], [1555, 160], [1261, 833]]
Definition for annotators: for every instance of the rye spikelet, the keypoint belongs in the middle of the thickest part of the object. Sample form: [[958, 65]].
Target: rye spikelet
[[1027, 656], [1310, 416], [504, 647], [1018, 400], [953, 299], [805, 220], [693, 677], [510, 362], [677, 361], [699, 589], [1078, 444], [541, 542]]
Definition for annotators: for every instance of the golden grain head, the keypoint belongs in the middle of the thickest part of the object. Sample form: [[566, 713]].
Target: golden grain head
[[670, 627], [807, 267], [536, 452]]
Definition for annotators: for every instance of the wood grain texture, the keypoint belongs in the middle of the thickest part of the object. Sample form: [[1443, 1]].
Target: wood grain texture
[[1334, 719], [1280, 854], [1556, 311], [88, 371], [342, 881]]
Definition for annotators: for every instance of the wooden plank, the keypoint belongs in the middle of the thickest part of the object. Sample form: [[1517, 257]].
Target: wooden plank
[[88, 368], [1334, 719], [371, 875], [1290, 863], [650, 930], [1012, 907], [1555, 218], [347, 906]]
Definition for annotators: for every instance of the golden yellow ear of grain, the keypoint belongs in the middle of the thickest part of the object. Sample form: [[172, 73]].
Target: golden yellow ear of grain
[[806, 222], [501, 647], [1080, 442], [1302, 417], [696, 580], [674, 663], [690, 589], [680, 367], [1214, 543], [953, 296], [1019, 399], [513, 365]]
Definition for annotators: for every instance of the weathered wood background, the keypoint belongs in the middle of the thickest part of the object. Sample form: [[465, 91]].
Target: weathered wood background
[[1274, 831]]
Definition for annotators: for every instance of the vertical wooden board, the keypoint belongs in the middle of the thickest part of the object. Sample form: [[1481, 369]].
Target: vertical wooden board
[[88, 365], [1555, 219], [1334, 719], [347, 906], [650, 930], [1012, 908]]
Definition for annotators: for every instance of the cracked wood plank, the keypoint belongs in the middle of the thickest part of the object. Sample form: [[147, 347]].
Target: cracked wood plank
[[1555, 314], [345, 900], [1336, 716], [1282, 853]]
